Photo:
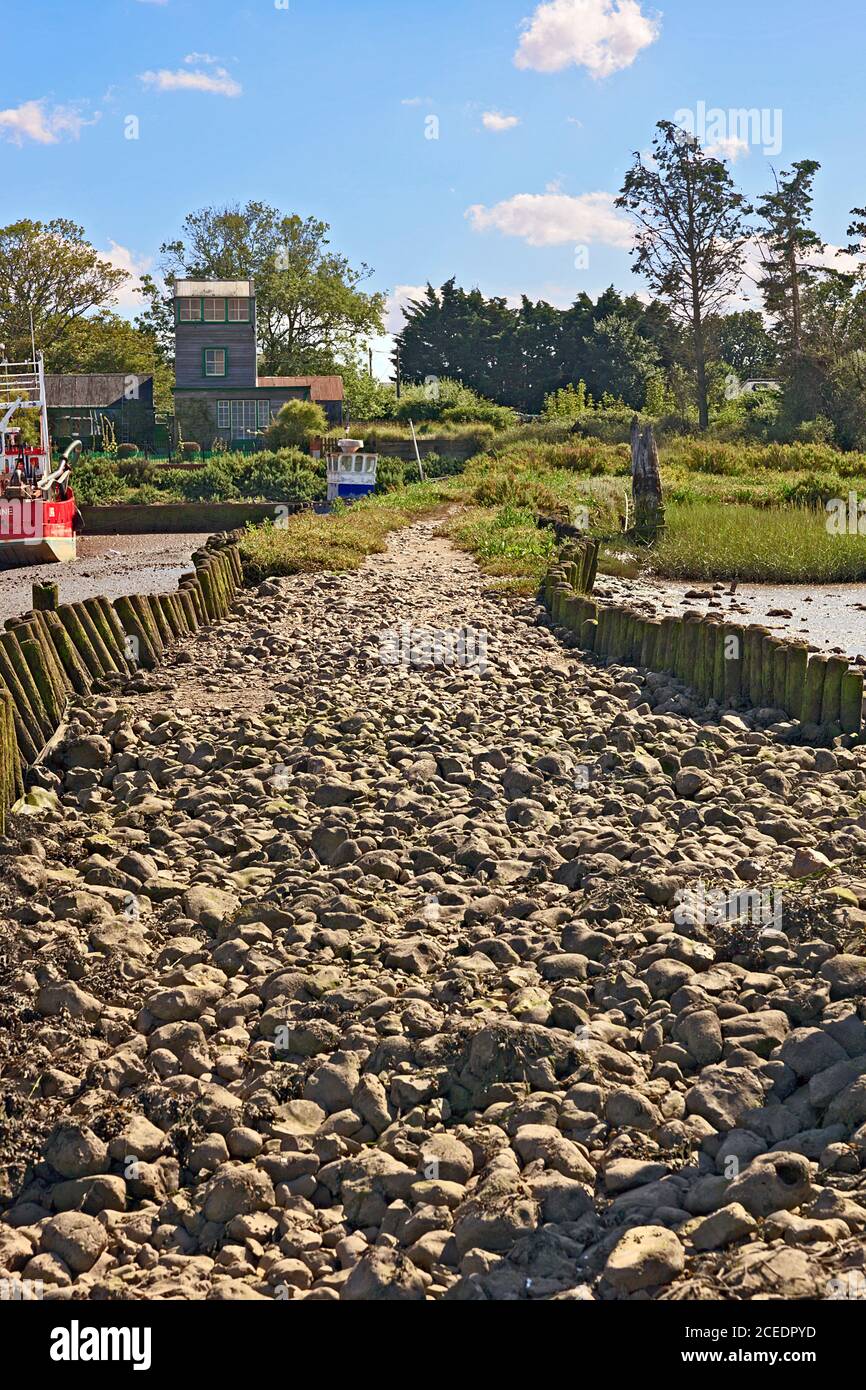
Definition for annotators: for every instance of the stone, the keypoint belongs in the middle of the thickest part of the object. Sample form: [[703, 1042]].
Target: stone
[[647, 1257]]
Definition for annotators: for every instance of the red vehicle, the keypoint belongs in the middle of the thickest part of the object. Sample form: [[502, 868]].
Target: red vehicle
[[39, 518]]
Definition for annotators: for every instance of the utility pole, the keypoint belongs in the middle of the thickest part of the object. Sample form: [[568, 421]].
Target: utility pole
[[370, 361]]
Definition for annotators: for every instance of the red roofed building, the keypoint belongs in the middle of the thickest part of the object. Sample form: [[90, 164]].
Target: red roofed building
[[218, 392]]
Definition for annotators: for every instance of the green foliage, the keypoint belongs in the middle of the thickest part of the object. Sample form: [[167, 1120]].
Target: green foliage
[[97, 482], [390, 475], [519, 356], [190, 448], [297, 422], [51, 269], [289, 475], [452, 403], [567, 403]]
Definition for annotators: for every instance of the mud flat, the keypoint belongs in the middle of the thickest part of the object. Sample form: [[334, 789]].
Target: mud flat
[[114, 566], [830, 616]]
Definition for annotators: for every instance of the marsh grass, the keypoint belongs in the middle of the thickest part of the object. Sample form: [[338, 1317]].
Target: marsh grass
[[341, 541], [784, 545], [507, 543]]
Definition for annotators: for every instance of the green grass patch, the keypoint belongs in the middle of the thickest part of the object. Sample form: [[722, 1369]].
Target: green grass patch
[[780, 545], [507, 544], [309, 543]]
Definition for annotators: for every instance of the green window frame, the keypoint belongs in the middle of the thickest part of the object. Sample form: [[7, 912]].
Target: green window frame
[[225, 370], [189, 299], [229, 303]]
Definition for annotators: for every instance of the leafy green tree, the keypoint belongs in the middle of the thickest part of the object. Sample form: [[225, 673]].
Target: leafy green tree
[[296, 423], [51, 270], [690, 234], [312, 311], [789, 245], [568, 403], [741, 339]]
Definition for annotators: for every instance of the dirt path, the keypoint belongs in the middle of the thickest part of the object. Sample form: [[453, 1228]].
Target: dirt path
[[341, 975]]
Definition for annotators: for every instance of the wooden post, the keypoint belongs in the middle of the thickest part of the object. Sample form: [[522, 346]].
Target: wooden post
[[46, 597], [646, 484]]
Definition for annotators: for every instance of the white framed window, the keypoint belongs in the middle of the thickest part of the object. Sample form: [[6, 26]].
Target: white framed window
[[189, 310], [238, 310], [264, 410], [215, 362], [214, 311], [224, 415]]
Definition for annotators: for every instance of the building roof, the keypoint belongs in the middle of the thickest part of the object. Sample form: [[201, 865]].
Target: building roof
[[321, 388], [90, 389], [213, 289]]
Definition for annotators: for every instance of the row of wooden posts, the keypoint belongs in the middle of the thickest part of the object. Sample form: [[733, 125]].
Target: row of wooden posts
[[736, 665], [59, 650]]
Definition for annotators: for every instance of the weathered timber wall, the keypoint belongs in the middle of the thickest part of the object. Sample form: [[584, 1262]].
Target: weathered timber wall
[[56, 652], [737, 666]]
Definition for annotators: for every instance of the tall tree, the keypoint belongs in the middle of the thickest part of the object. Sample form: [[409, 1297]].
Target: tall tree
[[789, 246], [741, 341], [690, 234], [51, 270], [311, 308]]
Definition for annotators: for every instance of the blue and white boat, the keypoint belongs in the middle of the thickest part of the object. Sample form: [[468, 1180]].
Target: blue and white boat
[[351, 472]]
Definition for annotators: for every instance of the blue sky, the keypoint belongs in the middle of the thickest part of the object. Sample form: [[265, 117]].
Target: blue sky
[[324, 107]]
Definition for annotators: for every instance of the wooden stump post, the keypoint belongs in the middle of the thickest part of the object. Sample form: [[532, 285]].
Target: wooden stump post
[[646, 484]]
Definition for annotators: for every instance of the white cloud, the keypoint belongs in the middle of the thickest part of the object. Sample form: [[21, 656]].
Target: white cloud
[[554, 219], [129, 295], [34, 120], [495, 121], [218, 82], [397, 302], [602, 36], [200, 58], [729, 147], [416, 101]]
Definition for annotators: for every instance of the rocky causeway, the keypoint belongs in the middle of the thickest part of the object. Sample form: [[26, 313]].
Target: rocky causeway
[[329, 978]]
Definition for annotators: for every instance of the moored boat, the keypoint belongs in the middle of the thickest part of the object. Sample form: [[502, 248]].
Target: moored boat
[[39, 517]]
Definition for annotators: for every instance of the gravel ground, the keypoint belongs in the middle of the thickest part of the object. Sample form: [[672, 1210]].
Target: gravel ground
[[337, 979], [109, 565]]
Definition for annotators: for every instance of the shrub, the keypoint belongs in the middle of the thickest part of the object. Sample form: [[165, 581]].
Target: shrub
[[390, 475], [212, 483], [95, 481], [135, 470], [189, 448], [297, 422], [285, 476], [127, 451]]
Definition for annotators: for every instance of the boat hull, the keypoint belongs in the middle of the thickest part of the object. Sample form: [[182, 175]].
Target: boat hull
[[57, 550], [36, 532]]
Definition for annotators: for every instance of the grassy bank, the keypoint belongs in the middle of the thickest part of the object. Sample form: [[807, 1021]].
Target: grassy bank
[[340, 541], [705, 540], [752, 513]]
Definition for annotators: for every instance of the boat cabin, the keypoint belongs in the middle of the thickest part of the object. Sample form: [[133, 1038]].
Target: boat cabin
[[351, 475]]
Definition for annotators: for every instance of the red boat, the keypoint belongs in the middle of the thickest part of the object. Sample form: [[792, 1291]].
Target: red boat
[[39, 518]]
